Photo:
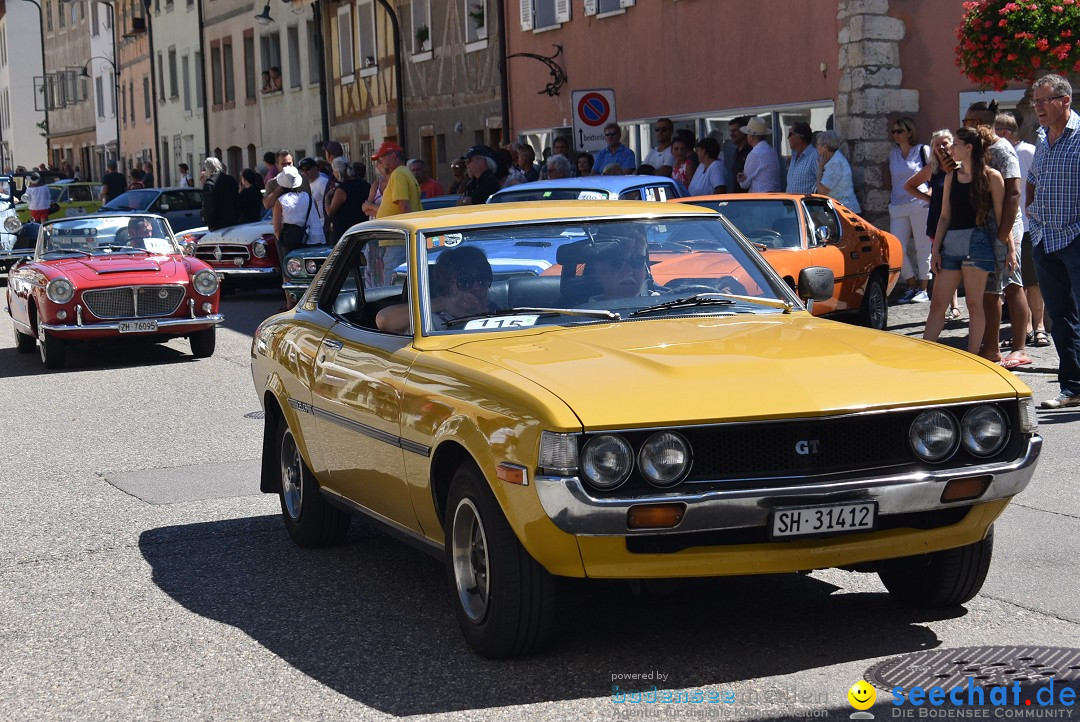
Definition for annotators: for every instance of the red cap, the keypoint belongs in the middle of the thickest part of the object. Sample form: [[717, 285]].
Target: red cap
[[388, 146]]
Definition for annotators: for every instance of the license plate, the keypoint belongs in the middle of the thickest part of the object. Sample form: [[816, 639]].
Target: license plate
[[137, 326], [831, 519]]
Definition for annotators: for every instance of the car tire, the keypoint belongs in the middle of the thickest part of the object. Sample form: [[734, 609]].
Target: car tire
[[874, 311], [503, 599], [24, 343], [309, 518], [947, 578], [203, 342], [52, 350]]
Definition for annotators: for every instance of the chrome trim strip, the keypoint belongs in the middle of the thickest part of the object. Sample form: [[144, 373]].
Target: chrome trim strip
[[570, 505], [369, 431], [191, 306], [295, 286], [78, 315], [27, 326], [162, 323], [389, 526], [246, 271]]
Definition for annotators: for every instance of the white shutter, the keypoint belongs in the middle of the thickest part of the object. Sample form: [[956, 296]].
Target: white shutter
[[562, 11], [526, 14], [590, 7], [626, 3]]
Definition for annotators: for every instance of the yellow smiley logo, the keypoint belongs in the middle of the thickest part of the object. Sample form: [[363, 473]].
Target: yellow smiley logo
[[861, 695]]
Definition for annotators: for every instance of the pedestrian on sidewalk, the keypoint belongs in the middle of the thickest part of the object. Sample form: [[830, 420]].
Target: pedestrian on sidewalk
[[907, 213]]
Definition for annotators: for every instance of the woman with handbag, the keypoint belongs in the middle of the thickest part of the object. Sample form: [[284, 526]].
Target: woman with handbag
[[296, 219]]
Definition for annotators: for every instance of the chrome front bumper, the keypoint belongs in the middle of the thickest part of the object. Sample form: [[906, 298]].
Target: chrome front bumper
[[301, 287], [570, 506], [213, 319], [259, 272]]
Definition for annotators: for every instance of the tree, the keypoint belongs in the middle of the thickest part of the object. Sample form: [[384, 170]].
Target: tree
[[1002, 41]]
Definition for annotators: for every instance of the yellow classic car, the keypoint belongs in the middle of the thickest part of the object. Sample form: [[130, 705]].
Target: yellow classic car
[[74, 199], [597, 424]]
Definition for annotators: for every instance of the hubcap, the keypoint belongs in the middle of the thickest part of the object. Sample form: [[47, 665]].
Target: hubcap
[[470, 559], [292, 490], [877, 307]]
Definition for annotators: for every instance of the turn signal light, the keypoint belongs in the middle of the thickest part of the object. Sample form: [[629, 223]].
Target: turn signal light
[[964, 489], [655, 516], [512, 473]]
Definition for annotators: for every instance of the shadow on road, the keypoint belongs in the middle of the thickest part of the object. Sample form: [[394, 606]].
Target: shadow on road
[[372, 620]]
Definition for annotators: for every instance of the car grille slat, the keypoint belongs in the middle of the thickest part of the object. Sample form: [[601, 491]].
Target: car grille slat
[[134, 301], [229, 252]]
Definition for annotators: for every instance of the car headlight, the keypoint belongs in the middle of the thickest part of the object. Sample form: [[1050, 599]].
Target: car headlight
[[311, 266], [606, 461], [205, 282], [60, 290], [933, 435], [258, 249], [294, 267], [664, 458], [12, 224], [984, 430]]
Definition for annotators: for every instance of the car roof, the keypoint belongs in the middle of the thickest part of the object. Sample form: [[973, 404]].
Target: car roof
[[508, 213], [751, 197], [612, 183]]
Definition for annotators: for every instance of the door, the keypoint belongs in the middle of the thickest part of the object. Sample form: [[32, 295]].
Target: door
[[839, 253], [358, 382], [81, 200]]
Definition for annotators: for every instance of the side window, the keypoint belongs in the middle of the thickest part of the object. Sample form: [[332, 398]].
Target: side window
[[80, 194], [192, 198], [634, 194], [354, 294], [820, 213], [163, 204]]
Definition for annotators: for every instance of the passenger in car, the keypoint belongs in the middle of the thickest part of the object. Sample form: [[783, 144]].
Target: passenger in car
[[621, 269], [459, 284]]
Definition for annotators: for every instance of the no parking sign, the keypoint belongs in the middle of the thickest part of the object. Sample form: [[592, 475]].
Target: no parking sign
[[593, 109]]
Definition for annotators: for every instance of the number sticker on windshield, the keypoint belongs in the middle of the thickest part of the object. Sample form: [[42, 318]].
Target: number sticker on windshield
[[500, 322]]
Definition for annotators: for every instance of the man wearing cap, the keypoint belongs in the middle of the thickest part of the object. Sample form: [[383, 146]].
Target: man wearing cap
[[220, 195], [402, 193], [761, 174], [480, 165], [802, 169], [113, 183], [615, 152]]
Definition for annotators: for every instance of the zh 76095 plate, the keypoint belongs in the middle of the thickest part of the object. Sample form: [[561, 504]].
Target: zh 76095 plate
[[137, 326]]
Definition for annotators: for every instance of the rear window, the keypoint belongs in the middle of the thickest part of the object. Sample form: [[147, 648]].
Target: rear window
[[550, 194]]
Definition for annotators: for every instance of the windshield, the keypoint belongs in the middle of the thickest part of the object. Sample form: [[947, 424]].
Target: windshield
[[550, 194], [138, 200], [772, 223], [107, 235], [581, 272]]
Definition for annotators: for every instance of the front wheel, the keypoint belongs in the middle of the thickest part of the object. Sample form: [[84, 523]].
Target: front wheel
[[947, 578], [874, 311], [503, 599], [51, 348], [24, 343], [203, 342], [309, 519]]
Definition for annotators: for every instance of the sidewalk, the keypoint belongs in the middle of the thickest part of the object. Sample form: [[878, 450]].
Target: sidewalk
[[1041, 375]]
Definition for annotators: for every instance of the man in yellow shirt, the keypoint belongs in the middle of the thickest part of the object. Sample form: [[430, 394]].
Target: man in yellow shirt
[[402, 193]]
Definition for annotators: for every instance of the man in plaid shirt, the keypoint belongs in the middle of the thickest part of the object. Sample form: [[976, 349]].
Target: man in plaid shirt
[[1054, 212]]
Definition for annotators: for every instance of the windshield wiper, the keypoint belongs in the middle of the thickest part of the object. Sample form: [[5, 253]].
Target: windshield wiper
[[124, 248], [588, 312], [712, 299], [69, 250]]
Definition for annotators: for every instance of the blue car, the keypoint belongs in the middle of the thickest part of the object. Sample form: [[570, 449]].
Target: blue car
[[593, 188]]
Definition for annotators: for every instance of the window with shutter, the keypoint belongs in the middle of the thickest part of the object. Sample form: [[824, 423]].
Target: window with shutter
[[627, 3], [526, 14], [590, 7], [562, 11]]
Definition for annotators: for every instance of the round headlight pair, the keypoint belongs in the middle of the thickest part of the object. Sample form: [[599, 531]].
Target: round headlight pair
[[294, 267], [205, 282], [12, 224], [935, 435], [607, 460], [258, 249], [60, 290]]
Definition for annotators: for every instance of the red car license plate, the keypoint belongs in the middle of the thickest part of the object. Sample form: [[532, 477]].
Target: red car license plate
[[137, 326]]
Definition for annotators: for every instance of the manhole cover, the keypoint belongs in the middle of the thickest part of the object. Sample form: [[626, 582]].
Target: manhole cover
[[986, 666], [255, 415]]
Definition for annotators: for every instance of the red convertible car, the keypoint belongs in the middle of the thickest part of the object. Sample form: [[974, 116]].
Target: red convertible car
[[110, 276]]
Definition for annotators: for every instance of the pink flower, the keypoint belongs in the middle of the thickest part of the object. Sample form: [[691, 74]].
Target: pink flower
[[1066, 33], [1012, 56], [1042, 44], [1056, 9]]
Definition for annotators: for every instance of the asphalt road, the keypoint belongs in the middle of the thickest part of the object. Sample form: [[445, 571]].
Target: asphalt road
[[143, 577]]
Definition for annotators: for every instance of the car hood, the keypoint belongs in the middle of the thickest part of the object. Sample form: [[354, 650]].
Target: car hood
[[245, 232], [702, 370], [107, 269]]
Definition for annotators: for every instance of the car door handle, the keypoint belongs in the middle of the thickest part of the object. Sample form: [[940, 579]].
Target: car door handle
[[336, 345]]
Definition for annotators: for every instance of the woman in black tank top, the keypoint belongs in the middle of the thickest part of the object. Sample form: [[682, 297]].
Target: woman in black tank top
[[972, 198]]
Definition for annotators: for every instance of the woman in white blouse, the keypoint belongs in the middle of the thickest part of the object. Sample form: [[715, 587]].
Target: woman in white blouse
[[709, 177]]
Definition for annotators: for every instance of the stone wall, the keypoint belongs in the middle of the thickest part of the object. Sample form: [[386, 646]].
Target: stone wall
[[871, 90]]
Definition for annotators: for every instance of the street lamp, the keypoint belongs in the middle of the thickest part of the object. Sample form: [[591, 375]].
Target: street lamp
[[264, 17], [116, 92]]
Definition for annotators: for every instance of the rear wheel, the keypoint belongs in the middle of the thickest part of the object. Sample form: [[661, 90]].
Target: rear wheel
[[309, 519], [503, 599], [947, 578], [51, 348], [24, 343], [203, 342], [874, 311]]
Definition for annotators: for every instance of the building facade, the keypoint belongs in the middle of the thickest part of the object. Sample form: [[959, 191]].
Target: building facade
[[231, 98], [136, 85], [72, 126], [181, 134], [22, 140], [104, 86]]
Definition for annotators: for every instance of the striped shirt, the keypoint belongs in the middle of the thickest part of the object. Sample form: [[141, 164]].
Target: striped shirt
[[1054, 214], [802, 171]]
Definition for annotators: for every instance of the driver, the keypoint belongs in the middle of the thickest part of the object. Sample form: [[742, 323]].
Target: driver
[[459, 283], [622, 269], [138, 228]]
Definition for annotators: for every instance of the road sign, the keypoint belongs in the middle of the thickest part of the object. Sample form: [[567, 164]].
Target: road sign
[[593, 109]]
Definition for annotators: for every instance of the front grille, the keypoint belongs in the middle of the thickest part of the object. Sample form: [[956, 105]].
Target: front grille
[[134, 301], [229, 252]]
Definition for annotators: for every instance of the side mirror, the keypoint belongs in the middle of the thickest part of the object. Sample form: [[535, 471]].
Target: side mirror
[[815, 283], [822, 234]]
